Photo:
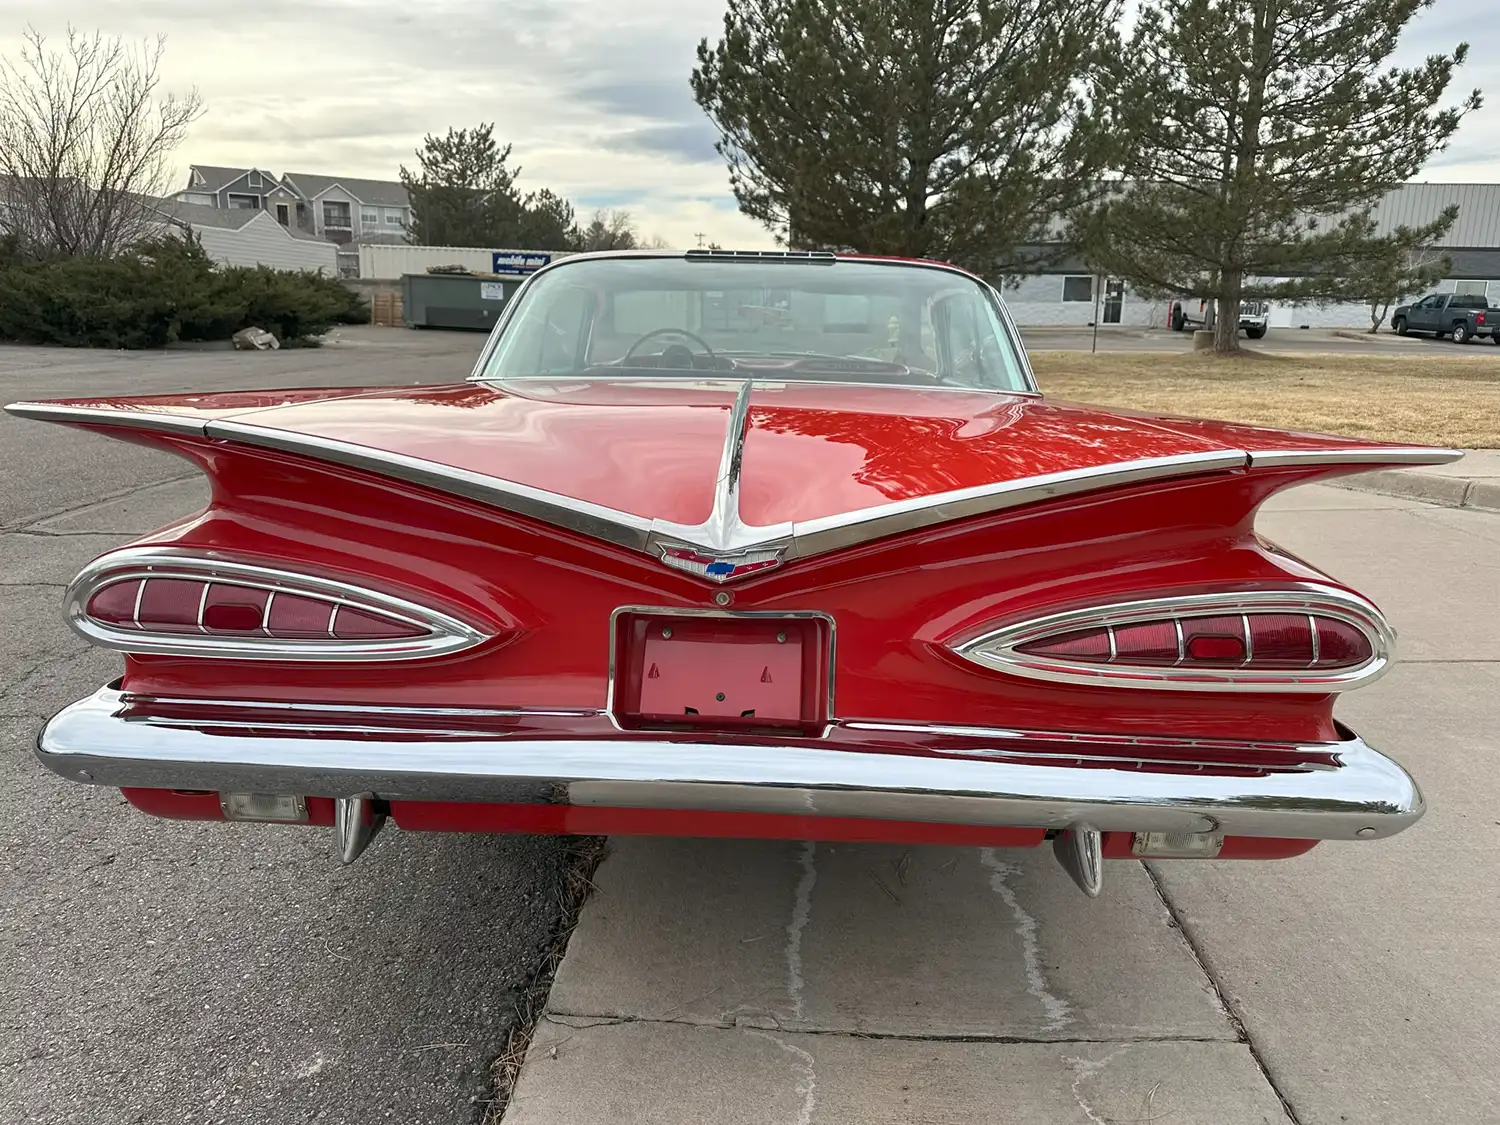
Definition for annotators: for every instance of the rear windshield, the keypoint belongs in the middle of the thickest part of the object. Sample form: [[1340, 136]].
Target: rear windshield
[[823, 321]]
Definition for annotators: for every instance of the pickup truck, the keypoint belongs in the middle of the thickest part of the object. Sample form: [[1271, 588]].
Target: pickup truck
[[1459, 316], [1255, 316]]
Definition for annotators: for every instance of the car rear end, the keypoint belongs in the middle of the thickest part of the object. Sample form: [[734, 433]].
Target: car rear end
[[852, 612]]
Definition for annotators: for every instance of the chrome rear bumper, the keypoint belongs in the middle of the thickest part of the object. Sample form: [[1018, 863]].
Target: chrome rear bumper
[[1327, 791]]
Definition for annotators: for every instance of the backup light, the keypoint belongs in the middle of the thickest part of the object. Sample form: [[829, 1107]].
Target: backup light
[[1176, 845], [271, 808]]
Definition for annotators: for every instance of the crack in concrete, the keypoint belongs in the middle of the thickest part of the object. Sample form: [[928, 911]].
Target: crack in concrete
[[1059, 1011], [807, 1085], [37, 585], [1084, 1069], [30, 533], [583, 1021], [97, 501], [801, 908], [50, 663], [1441, 660], [1235, 1021]]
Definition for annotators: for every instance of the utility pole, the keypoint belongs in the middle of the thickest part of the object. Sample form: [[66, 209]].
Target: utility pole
[[1098, 285], [700, 236]]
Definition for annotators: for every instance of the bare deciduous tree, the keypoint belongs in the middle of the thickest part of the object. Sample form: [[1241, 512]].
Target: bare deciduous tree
[[85, 137], [609, 230]]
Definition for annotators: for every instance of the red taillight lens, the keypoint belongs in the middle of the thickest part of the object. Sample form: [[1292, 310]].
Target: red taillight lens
[[181, 605], [1479, 318], [1274, 640], [1341, 644], [164, 600], [353, 624], [1308, 639], [1215, 648]]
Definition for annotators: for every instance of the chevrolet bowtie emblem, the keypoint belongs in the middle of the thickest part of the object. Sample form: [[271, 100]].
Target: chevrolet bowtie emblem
[[721, 568]]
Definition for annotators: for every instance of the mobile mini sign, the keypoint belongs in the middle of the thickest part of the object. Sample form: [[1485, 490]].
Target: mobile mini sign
[[511, 263]]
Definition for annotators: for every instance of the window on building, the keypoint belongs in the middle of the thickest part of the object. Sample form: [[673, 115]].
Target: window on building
[[394, 218], [245, 202], [336, 214], [369, 218], [1078, 289], [1472, 288], [254, 180]]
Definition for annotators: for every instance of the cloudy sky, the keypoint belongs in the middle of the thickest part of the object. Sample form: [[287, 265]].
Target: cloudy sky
[[593, 94]]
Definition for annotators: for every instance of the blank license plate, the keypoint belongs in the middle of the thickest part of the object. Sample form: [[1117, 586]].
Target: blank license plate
[[721, 671]]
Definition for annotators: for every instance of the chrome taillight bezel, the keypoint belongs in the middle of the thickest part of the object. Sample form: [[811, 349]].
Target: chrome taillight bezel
[[442, 633], [996, 649]]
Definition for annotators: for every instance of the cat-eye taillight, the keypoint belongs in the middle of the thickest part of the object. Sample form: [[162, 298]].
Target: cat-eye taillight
[[177, 602], [1311, 639]]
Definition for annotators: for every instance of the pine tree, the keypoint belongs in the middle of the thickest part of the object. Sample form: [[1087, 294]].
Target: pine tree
[[1266, 131], [464, 192], [547, 222], [956, 129]]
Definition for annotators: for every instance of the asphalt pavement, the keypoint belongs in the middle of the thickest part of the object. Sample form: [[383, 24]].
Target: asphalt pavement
[[161, 972]]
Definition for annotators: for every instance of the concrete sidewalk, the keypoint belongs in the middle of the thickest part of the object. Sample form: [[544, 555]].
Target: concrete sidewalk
[[765, 983], [1473, 482]]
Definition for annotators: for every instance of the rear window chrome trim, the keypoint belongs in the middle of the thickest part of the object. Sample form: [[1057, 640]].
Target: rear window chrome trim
[[993, 295]]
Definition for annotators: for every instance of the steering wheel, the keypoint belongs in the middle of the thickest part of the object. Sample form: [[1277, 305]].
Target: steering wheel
[[630, 351]]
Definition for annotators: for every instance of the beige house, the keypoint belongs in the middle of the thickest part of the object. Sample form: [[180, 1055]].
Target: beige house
[[340, 209]]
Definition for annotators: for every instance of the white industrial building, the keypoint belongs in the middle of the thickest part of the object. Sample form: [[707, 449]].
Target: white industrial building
[[1074, 296]]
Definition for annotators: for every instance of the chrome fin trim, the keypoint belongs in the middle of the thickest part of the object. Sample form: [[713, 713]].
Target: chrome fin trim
[[1399, 455], [160, 421], [594, 520], [724, 535]]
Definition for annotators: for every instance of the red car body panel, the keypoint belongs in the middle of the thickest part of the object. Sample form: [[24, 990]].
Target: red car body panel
[[811, 449], [898, 602], [548, 595]]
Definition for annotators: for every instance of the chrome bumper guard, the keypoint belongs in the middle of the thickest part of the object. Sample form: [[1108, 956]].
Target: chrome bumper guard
[[1341, 790]]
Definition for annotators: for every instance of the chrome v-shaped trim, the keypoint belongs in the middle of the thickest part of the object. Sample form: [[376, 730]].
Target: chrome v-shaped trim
[[723, 535], [724, 547]]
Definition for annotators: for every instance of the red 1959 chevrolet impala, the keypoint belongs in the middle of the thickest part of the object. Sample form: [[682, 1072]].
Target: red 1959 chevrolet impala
[[779, 545]]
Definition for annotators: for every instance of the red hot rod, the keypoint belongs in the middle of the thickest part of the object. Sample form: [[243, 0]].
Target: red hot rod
[[780, 545]]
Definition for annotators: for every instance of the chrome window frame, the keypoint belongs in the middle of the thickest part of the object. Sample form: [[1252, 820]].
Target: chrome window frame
[[1007, 323]]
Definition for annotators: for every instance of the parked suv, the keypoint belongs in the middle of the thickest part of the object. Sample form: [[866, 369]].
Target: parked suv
[[1459, 316], [1255, 316]]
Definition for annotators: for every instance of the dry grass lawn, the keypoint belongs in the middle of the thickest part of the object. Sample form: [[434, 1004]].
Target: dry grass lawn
[[1441, 400]]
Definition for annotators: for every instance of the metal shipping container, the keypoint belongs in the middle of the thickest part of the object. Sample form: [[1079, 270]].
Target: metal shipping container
[[455, 300]]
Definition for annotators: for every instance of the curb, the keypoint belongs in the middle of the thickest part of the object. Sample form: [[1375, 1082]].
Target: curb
[[1375, 337], [1451, 492]]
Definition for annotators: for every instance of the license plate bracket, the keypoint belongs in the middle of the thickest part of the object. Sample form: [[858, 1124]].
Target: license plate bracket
[[732, 671]]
